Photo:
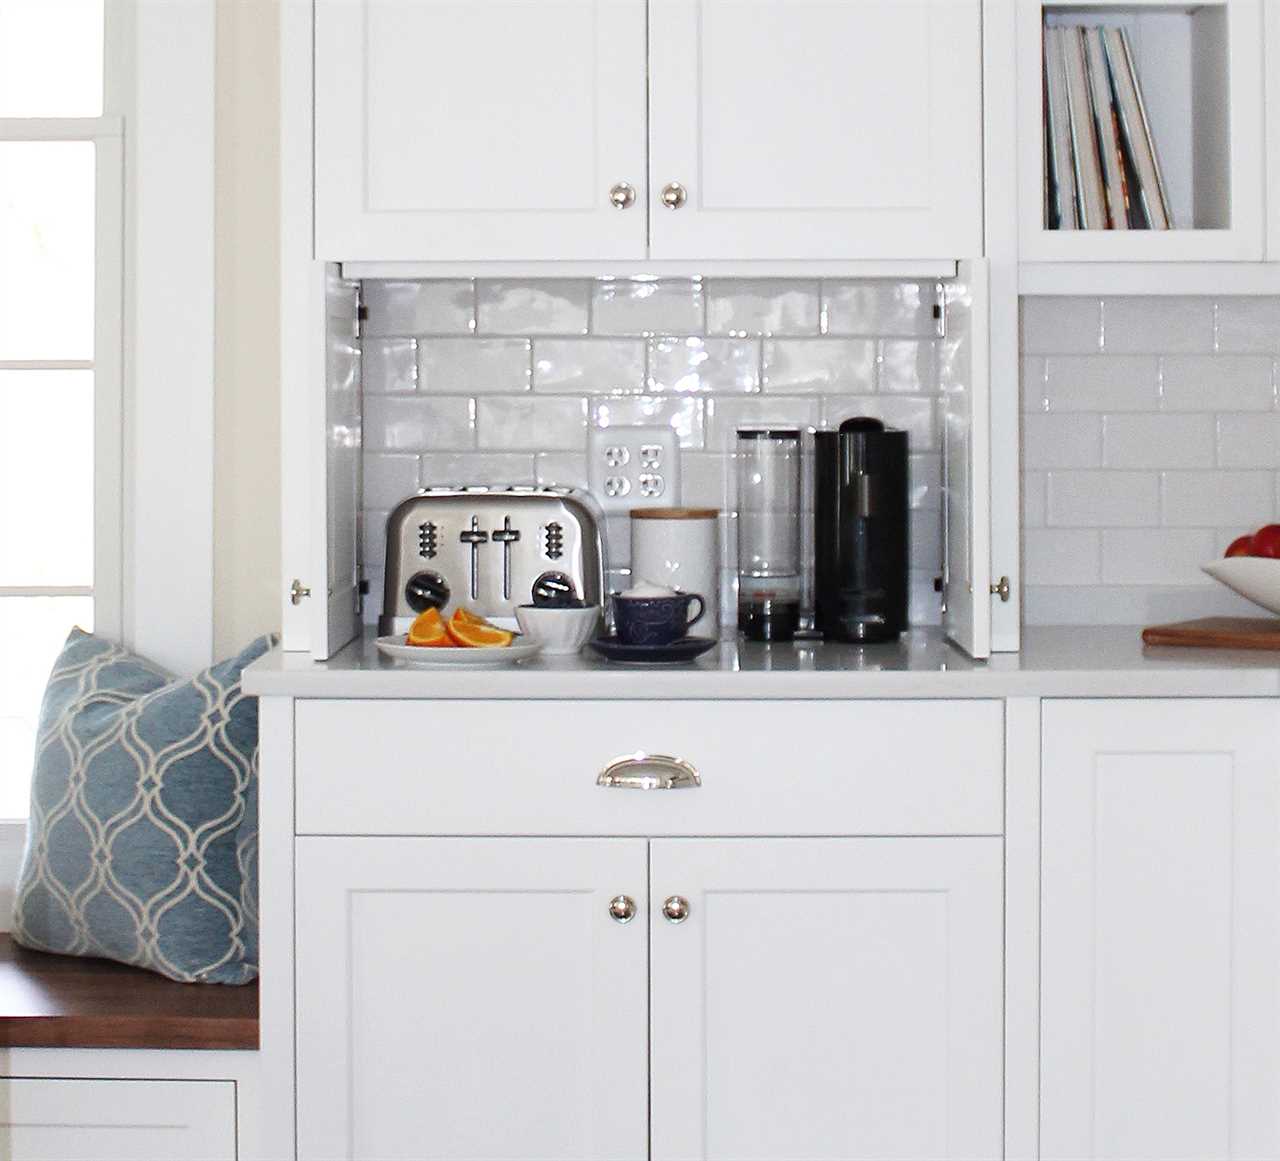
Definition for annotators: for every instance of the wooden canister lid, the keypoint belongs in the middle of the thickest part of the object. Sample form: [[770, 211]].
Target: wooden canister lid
[[674, 513]]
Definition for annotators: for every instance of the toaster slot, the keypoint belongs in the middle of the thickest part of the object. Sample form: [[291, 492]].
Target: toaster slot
[[474, 537]]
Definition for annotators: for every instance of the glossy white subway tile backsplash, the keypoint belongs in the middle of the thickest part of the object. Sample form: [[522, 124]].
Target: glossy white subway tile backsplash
[[446, 469], [1217, 383], [693, 363], [1155, 441], [417, 423], [388, 479], [498, 380], [390, 365], [648, 306], [550, 306], [1249, 325], [531, 423], [474, 366], [1151, 439], [1158, 326], [822, 366], [774, 306], [1249, 441], [444, 306], [589, 366], [687, 414], [878, 308]]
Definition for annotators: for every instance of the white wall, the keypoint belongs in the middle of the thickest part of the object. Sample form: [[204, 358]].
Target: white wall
[[246, 505]]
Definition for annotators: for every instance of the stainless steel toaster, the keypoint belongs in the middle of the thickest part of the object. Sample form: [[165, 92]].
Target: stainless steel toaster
[[491, 549]]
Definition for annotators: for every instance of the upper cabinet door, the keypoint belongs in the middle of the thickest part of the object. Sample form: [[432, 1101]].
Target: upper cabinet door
[[479, 129], [798, 129]]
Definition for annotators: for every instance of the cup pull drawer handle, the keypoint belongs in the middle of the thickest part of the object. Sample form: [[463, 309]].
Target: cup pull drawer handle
[[649, 772]]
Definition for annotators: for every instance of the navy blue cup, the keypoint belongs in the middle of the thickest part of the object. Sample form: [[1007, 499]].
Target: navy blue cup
[[656, 620]]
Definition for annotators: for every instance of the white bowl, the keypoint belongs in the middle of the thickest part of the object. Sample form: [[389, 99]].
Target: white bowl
[[559, 631], [1256, 578]]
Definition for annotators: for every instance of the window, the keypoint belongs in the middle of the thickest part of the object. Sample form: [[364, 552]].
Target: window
[[61, 222]]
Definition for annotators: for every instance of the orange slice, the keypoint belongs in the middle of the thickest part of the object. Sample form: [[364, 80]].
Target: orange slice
[[463, 616], [481, 636], [428, 629]]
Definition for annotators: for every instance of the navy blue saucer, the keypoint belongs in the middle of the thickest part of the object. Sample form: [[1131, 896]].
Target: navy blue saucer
[[686, 649]]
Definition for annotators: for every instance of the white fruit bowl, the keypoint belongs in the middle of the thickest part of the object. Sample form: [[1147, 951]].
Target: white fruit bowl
[[1256, 578]]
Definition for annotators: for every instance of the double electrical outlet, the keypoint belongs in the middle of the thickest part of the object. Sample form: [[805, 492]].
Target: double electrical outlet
[[634, 467]]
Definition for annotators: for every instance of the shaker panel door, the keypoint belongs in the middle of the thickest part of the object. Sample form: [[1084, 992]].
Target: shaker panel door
[[1160, 917], [826, 999], [470, 999], [455, 130], [810, 130]]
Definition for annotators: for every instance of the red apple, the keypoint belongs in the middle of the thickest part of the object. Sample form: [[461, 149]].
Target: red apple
[[1241, 546], [1266, 542]]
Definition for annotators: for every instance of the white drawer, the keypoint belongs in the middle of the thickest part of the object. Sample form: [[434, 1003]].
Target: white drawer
[[766, 768], [52, 1119]]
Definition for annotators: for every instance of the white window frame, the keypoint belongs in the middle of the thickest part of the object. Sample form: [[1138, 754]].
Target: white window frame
[[107, 134], [107, 364]]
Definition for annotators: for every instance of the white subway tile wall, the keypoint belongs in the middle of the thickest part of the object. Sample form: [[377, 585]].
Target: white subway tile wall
[[1151, 439], [497, 381]]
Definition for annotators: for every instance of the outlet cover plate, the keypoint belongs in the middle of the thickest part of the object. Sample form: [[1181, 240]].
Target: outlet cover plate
[[634, 467]]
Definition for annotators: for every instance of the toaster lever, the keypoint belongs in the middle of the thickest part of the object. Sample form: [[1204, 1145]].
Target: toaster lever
[[474, 537], [506, 536]]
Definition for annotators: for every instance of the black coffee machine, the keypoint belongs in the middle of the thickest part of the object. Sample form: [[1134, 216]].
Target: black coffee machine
[[862, 529]]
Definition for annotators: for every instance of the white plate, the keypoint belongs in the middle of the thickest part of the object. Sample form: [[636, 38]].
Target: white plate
[[456, 657], [1256, 578]]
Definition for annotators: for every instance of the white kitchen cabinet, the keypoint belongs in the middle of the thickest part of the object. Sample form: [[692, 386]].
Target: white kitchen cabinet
[[1160, 930], [478, 998], [479, 129], [1201, 67], [470, 998], [812, 130], [61, 1119], [826, 999]]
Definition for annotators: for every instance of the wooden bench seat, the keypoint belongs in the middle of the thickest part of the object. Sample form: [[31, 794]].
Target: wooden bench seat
[[56, 1001]]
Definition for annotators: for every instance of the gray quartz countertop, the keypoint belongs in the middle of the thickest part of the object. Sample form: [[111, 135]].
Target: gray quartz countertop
[[1102, 661]]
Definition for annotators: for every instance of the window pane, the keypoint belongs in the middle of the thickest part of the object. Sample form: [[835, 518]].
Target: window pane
[[33, 630], [46, 249], [51, 58], [46, 478]]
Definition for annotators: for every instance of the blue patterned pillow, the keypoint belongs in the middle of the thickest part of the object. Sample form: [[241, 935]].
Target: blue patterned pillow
[[142, 843]]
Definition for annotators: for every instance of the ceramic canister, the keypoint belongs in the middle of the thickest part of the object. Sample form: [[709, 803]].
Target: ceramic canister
[[680, 549]]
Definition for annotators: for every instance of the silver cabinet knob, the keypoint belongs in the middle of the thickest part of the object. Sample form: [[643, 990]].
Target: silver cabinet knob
[[622, 908], [298, 592], [674, 195], [676, 909], [623, 195]]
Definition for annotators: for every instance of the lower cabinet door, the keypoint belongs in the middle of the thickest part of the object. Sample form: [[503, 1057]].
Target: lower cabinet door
[[826, 999], [471, 998], [55, 1119], [1160, 930]]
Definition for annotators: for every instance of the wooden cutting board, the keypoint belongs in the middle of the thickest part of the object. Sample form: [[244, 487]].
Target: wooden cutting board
[[1218, 633]]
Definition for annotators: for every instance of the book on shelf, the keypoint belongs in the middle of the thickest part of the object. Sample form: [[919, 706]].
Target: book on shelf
[[1136, 129], [1101, 166], [1058, 132], [1107, 126], [1084, 137]]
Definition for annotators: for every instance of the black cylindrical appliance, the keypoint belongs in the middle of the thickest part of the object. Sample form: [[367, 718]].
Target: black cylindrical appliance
[[861, 532]]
